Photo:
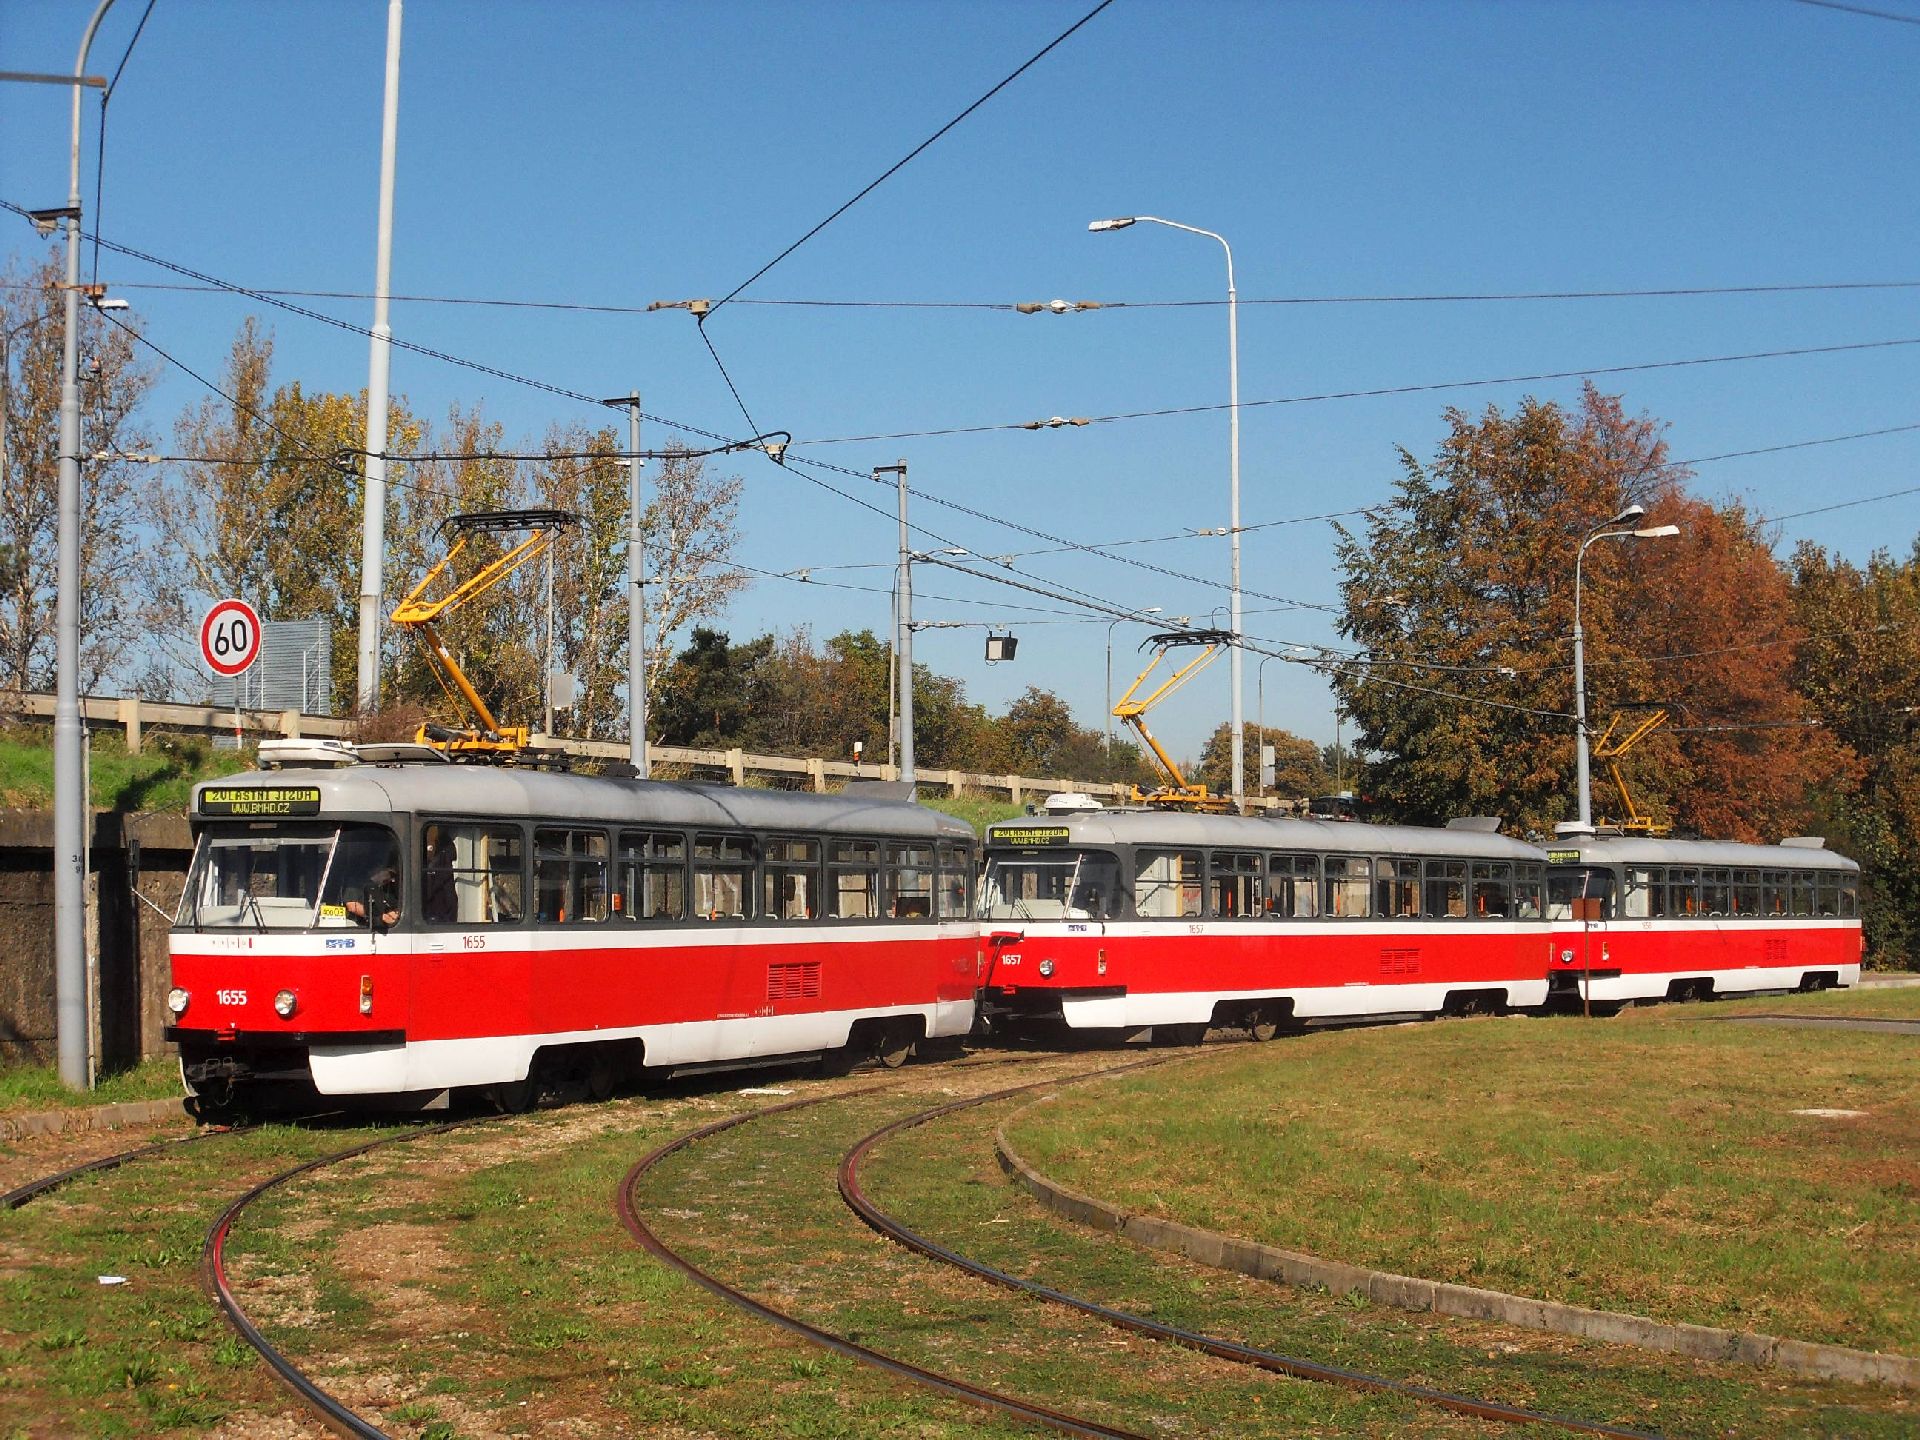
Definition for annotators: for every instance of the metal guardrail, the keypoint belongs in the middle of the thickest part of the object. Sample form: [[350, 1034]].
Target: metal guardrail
[[134, 716]]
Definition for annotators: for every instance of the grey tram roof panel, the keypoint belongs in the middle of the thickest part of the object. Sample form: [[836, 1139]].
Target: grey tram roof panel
[[1644, 850], [1338, 837], [486, 791]]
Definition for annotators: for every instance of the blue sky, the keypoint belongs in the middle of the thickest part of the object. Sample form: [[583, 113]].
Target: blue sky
[[620, 154]]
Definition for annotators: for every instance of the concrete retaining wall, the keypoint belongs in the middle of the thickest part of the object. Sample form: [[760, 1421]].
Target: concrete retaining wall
[[148, 853]]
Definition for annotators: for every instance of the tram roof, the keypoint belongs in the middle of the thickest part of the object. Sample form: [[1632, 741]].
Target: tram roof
[[1165, 827], [1648, 850], [515, 794]]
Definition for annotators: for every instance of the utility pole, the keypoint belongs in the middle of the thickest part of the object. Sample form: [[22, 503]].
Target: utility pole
[[373, 539], [903, 641], [636, 600], [71, 1011]]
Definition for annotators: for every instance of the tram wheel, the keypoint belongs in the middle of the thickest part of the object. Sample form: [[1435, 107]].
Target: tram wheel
[[895, 1049], [1263, 1024], [513, 1097], [600, 1075]]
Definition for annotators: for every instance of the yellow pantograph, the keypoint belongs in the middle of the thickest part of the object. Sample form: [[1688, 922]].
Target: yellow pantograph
[[1178, 793], [482, 736]]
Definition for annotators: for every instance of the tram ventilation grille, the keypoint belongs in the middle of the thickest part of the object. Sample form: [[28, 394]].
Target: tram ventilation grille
[[794, 982], [1400, 961]]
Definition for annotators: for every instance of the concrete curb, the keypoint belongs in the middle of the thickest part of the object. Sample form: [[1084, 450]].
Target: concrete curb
[[99, 1117], [1267, 1262]]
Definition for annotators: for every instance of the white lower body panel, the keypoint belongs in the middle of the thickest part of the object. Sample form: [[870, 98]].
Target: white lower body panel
[[502, 1059], [1310, 1003]]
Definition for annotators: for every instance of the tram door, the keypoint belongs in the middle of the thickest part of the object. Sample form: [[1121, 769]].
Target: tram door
[[1581, 905]]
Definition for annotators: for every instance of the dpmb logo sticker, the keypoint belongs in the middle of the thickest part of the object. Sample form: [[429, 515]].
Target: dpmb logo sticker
[[230, 637]]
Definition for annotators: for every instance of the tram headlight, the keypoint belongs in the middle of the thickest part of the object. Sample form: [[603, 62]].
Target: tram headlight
[[284, 1004], [1046, 968], [177, 1000]]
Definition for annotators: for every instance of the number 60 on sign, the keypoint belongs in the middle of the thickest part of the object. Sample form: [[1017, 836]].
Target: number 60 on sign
[[230, 637]]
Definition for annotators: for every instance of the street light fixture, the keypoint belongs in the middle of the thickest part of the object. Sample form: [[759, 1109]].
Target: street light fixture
[[1604, 531], [1150, 610], [1233, 410]]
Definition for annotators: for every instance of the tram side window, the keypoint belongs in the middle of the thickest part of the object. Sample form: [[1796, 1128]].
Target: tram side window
[[1237, 883], [853, 879], [1773, 892], [1396, 888], [1346, 882], [1850, 896], [1446, 888], [956, 869], [1293, 887], [910, 882], [1529, 877], [570, 876], [1746, 893], [652, 875], [1826, 894], [1167, 884], [1683, 892], [1637, 903], [791, 879], [1716, 891], [723, 877], [472, 875], [1492, 889], [1799, 892]]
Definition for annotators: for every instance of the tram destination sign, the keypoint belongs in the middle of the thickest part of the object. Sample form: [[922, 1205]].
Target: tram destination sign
[[252, 800], [1563, 857], [1027, 836]]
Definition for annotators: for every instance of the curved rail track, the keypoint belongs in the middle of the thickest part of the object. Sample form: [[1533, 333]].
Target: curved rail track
[[1300, 1369], [213, 1267], [34, 1189], [948, 1385]]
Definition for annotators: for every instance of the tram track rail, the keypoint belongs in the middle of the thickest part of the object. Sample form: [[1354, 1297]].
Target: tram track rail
[[335, 1414], [951, 1386], [33, 1189], [856, 1198]]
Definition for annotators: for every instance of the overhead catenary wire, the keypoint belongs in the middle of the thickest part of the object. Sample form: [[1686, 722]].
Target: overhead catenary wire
[[1023, 308], [907, 159], [1377, 392]]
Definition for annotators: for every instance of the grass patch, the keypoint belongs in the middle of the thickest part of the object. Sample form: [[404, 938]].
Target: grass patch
[[1651, 1164], [1877, 1002], [978, 811], [38, 1087], [159, 779]]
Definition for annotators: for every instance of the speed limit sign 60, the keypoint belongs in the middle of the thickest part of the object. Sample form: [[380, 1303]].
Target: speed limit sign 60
[[230, 637]]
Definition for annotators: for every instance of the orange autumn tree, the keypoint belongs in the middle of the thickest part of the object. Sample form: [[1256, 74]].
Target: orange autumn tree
[[1460, 600]]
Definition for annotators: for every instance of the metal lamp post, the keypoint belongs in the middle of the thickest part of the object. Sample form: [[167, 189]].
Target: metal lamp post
[[1604, 531], [1233, 397]]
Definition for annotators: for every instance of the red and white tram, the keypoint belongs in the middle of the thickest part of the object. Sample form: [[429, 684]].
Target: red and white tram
[[1120, 919], [1692, 919], [410, 929]]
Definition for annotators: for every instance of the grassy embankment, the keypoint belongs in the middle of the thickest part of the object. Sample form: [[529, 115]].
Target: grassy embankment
[[156, 780], [1654, 1164]]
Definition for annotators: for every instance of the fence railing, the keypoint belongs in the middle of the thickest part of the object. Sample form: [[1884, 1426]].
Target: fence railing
[[135, 716]]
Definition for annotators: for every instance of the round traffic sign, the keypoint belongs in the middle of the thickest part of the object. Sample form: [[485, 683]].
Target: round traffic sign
[[230, 637]]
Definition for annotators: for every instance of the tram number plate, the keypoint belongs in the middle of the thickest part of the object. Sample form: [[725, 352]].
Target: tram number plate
[[231, 997]]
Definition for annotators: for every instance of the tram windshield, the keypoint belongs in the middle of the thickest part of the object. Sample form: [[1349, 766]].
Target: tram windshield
[[1057, 885], [292, 877]]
